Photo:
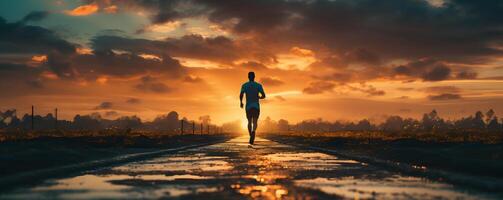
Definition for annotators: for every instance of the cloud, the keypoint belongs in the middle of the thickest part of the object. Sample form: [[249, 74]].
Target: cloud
[[111, 113], [426, 69], [151, 84], [337, 77], [271, 81], [362, 56], [133, 101], [19, 38], [252, 65], [35, 16], [367, 89], [442, 89], [405, 88], [218, 49], [280, 98], [467, 75], [318, 87], [104, 105], [35, 83], [440, 93], [193, 79], [301, 52], [83, 10], [444, 96], [126, 65], [436, 31]]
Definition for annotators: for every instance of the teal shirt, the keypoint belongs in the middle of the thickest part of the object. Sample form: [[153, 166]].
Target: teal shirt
[[252, 90]]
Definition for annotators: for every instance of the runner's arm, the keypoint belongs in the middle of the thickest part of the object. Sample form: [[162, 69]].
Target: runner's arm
[[262, 93], [241, 97]]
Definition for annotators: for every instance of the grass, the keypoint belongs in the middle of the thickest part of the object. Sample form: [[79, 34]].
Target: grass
[[439, 136]]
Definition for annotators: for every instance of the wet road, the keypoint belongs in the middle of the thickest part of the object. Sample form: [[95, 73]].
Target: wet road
[[233, 170]]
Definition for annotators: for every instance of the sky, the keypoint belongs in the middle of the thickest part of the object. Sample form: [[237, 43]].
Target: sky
[[330, 59]]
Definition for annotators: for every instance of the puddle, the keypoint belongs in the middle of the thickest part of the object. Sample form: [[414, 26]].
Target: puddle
[[172, 165], [396, 187], [103, 187], [308, 160], [261, 191]]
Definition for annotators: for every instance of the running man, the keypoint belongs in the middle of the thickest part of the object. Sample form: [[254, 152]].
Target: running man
[[252, 90]]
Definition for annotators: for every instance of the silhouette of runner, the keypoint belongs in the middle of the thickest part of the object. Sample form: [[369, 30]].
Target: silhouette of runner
[[252, 90]]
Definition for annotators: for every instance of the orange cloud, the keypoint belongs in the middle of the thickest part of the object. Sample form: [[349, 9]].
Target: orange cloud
[[84, 51], [301, 52], [102, 80], [49, 75], [39, 58], [83, 10], [111, 9], [150, 57]]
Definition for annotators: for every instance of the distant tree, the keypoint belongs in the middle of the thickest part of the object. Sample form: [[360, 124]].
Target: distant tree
[[283, 125], [87, 122], [431, 120], [364, 125], [494, 125], [478, 121], [168, 122], [489, 115], [205, 119], [393, 123], [127, 122]]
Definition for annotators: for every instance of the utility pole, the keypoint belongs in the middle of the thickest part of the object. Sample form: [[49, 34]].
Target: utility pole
[[32, 118], [193, 127], [208, 129], [56, 118], [201, 128]]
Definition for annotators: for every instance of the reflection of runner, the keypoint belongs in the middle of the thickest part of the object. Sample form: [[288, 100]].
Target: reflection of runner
[[252, 90]]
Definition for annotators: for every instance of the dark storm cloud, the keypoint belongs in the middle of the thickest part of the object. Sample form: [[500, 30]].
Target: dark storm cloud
[[220, 48], [467, 75], [35, 16], [151, 84], [124, 65], [25, 39], [444, 96], [363, 32], [426, 69], [104, 105], [458, 30]]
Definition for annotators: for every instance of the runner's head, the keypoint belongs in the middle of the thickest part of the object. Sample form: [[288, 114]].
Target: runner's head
[[251, 76]]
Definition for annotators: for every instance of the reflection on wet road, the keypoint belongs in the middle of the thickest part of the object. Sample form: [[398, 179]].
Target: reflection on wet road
[[233, 170]]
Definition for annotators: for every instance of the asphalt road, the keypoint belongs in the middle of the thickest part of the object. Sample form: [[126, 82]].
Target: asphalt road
[[234, 170]]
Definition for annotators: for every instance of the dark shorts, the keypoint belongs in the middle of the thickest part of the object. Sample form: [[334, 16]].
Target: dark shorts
[[252, 113]]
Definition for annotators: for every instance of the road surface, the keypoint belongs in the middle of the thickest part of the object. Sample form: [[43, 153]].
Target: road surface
[[233, 170]]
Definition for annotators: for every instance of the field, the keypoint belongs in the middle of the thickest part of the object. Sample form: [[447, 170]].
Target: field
[[43, 150], [476, 155]]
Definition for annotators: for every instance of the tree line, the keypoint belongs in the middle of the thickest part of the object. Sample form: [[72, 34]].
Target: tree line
[[430, 122], [9, 121]]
